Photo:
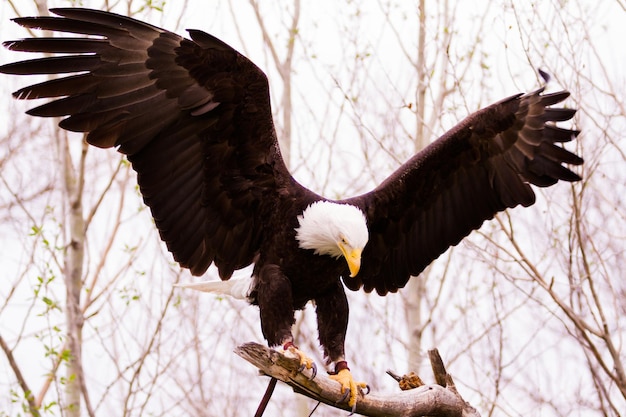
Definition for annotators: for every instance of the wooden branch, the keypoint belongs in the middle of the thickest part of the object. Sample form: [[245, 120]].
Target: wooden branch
[[426, 400]]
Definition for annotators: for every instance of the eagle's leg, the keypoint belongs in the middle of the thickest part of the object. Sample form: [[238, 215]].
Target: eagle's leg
[[275, 302], [332, 324], [349, 387]]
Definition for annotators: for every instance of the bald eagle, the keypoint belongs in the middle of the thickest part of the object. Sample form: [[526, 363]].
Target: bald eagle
[[193, 118]]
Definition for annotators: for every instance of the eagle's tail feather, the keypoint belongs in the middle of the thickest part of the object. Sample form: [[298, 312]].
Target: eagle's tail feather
[[235, 287]]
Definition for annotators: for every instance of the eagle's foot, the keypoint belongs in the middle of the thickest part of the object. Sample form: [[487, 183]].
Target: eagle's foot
[[305, 361], [349, 387]]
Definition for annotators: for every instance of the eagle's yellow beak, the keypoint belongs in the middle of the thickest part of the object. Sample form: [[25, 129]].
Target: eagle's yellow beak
[[353, 257]]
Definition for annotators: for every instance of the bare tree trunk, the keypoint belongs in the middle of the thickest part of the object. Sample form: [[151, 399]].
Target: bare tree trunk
[[73, 272], [416, 287], [73, 184]]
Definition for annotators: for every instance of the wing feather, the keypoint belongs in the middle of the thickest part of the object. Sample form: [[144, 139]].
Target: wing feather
[[484, 165], [57, 87], [193, 117]]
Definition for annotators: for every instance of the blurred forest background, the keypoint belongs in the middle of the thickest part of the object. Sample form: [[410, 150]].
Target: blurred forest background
[[528, 313]]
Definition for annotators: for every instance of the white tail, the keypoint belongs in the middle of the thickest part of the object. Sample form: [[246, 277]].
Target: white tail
[[235, 287]]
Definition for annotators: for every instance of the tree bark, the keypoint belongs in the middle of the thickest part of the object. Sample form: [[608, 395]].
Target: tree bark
[[74, 258], [425, 400], [416, 287]]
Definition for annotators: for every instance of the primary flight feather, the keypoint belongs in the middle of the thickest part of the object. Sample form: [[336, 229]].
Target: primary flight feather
[[193, 117]]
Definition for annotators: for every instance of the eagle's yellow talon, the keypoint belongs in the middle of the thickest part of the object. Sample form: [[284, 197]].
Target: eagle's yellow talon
[[349, 385], [305, 361]]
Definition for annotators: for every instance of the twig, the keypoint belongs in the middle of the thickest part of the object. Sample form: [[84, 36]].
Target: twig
[[439, 369], [32, 407]]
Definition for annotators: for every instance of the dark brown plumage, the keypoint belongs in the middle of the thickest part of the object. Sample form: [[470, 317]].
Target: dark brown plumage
[[480, 167], [193, 116]]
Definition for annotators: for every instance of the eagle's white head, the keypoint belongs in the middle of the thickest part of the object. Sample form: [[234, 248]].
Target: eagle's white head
[[334, 229]]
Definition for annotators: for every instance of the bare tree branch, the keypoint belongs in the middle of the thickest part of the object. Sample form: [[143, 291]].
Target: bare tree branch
[[430, 400], [32, 406]]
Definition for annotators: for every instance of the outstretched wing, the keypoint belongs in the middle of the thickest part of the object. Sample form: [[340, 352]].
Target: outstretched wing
[[480, 167], [193, 116]]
